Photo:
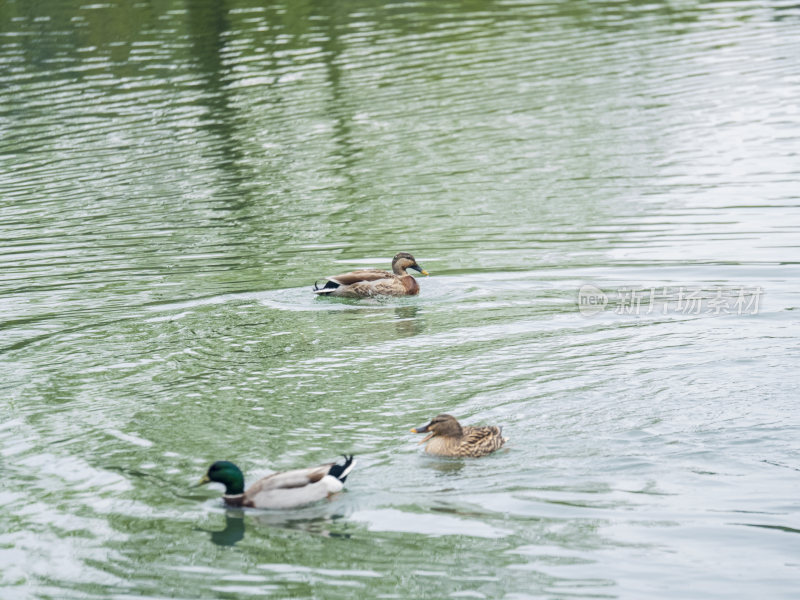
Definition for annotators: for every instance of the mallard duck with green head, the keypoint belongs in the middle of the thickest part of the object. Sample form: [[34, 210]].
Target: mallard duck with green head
[[365, 283], [447, 437], [288, 489]]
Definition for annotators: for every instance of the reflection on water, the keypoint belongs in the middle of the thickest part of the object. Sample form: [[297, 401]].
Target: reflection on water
[[233, 531], [409, 323], [446, 466], [311, 521], [176, 175]]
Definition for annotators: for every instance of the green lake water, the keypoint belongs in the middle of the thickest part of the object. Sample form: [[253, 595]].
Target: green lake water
[[605, 194]]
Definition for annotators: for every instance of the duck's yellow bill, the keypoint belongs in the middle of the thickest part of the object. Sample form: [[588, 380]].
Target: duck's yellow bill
[[203, 481], [414, 430], [424, 272]]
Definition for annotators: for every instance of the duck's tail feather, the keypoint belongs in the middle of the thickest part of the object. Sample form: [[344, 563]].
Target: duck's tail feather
[[325, 289], [342, 471]]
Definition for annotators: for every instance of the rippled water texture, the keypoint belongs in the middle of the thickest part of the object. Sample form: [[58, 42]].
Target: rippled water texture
[[605, 194]]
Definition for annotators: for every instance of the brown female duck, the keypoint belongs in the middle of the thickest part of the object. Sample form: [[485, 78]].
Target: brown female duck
[[446, 437], [365, 283]]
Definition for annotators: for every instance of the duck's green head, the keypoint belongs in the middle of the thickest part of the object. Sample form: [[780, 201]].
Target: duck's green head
[[226, 473]]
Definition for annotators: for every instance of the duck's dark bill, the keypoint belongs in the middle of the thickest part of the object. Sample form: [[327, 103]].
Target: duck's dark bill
[[423, 429]]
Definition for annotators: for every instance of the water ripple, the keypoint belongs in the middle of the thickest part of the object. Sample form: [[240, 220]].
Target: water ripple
[[175, 178]]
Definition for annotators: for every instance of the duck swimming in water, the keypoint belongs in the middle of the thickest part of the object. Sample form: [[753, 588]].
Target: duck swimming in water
[[288, 489], [447, 437], [365, 283]]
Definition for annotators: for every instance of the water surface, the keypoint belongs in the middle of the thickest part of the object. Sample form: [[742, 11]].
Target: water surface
[[173, 179]]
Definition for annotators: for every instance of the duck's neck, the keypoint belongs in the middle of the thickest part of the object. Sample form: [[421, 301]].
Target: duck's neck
[[399, 270], [233, 500], [234, 487], [441, 444], [410, 284]]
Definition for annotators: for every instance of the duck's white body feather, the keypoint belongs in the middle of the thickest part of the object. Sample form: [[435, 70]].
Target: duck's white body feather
[[290, 489]]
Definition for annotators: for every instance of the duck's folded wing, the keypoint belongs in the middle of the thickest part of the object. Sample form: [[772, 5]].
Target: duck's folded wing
[[487, 437], [360, 275], [380, 287], [290, 479]]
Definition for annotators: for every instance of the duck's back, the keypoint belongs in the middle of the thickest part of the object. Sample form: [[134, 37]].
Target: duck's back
[[474, 442], [478, 441], [360, 275]]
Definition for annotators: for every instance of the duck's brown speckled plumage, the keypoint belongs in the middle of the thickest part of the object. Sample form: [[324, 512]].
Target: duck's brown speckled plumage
[[364, 283], [446, 437]]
